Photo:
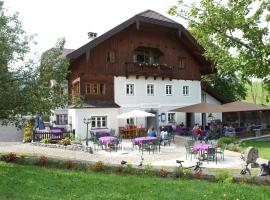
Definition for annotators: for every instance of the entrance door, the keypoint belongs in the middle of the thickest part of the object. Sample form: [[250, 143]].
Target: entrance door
[[151, 121], [190, 120]]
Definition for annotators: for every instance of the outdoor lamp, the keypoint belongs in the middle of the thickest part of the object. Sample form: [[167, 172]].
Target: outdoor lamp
[[87, 122]]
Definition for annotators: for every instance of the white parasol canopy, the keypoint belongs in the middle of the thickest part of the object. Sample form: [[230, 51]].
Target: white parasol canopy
[[135, 114]]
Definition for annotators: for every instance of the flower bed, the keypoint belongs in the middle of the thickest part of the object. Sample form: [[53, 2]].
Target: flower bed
[[72, 147], [146, 170]]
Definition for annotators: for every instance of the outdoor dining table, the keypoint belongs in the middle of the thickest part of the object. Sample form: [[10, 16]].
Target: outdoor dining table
[[201, 147], [141, 140], [103, 133], [106, 140]]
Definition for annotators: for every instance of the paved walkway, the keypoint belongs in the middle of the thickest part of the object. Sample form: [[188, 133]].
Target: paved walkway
[[166, 157]]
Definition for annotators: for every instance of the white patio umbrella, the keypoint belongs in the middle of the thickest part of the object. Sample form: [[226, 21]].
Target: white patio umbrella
[[135, 114]]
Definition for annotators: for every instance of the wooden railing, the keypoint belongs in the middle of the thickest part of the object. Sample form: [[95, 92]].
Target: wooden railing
[[157, 70], [39, 135]]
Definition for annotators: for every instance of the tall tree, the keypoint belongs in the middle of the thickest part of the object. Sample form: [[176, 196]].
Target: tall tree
[[26, 90], [234, 33]]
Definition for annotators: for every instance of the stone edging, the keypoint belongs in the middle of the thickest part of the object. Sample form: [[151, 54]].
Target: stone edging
[[72, 147]]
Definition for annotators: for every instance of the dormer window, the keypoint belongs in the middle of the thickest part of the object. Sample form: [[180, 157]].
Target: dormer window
[[147, 55], [110, 57], [181, 62]]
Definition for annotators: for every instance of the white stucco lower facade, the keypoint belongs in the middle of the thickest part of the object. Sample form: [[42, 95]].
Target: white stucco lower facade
[[160, 102], [76, 116], [212, 100]]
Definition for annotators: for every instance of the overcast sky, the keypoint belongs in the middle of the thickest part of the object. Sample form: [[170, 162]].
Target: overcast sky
[[72, 19]]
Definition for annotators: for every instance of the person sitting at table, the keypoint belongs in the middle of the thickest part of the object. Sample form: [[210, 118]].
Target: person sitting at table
[[152, 132], [163, 134], [182, 124], [197, 131]]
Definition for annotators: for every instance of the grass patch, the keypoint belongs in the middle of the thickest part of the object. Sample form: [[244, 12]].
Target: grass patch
[[262, 146], [31, 182]]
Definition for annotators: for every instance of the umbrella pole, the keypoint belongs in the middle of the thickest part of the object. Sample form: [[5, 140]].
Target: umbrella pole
[[239, 118]]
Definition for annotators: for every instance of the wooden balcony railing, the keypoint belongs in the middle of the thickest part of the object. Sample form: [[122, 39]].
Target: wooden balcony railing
[[147, 70]]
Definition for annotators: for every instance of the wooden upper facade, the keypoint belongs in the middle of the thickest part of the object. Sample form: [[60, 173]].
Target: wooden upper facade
[[147, 45]]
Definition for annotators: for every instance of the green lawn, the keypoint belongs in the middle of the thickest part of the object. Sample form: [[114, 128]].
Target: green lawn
[[263, 147], [30, 182]]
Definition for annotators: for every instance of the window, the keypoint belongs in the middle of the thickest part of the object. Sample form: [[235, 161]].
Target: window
[[185, 90], [110, 57], [168, 90], [61, 120], [150, 89], [130, 89], [130, 121], [181, 62], [171, 117], [147, 55], [102, 88], [76, 88], [96, 88], [87, 88], [99, 122]]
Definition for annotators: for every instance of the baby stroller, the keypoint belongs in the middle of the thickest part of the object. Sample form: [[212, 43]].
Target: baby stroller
[[265, 169]]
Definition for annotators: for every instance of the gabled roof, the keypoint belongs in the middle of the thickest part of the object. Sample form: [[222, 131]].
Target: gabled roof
[[147, 16], [208, 89], [155, 15]]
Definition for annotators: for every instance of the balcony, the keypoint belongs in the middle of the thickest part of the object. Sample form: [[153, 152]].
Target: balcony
[[147, 70]]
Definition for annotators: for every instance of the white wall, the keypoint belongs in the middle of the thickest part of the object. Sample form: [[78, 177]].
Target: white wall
[[76, 116], [140, 98], [55, 112], [159, 102], [10, 133], [212, 100]]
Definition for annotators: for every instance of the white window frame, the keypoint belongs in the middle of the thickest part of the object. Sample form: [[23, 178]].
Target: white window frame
[[171, 90], [133, 91], [186, 92], [153, 89], [169, 117], [63, 119], [99, 118]]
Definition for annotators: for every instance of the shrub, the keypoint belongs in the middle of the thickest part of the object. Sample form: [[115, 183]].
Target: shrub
[[10, 157], [119, 169], [233, 147], [162, 173], [45, 141], [221, 177], [42, 161], [65, 141], [69, 164], [128, 169], [226, 140], [99, 166], [27, 133], [177, 172]]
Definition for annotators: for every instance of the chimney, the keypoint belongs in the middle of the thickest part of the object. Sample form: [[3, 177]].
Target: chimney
[[91, 35]]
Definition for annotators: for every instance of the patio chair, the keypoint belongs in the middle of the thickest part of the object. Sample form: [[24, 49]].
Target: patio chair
[[220, 151], [113, 145], [166, 140], [211, 154], [120, 140], [148, 146], [171, 136], [97, 144], [190, 152]]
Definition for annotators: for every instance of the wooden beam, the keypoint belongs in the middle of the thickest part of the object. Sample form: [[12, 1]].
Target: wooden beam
[[87, 55], [138, 25], [179, 33]]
